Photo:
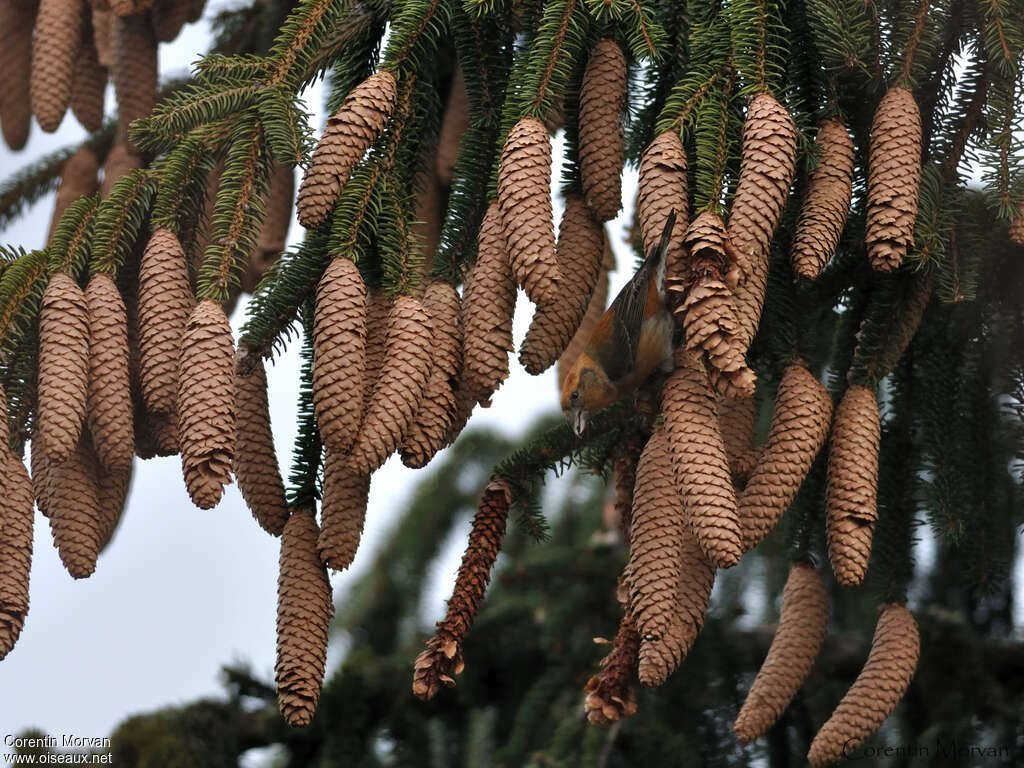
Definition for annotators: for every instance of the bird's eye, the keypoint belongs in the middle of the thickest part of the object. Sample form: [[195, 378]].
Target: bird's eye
[[574, 397]]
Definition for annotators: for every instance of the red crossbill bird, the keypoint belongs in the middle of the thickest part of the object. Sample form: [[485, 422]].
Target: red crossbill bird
[[631, 341]]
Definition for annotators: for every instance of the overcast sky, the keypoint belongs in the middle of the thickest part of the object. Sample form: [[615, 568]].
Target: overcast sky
[[181, 591]]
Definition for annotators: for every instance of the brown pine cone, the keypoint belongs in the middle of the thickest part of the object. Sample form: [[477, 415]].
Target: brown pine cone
[[169, 16], [851, 502], [489, 299], [16, 22], [129, 7], [894, 176], [259, 478], [524, 197], [63, 365], [827, 202], [274, 230], [453, 126], [877, 690], [120, 159], [662, 189], [667, 574], [165, 301], [580, 249], [304, 610], [611, 693], [799, 426], [57, 41], [767, 166], [206, 404], [109, 400], [77, 178], [399, 390], [43, 473], [698, 455], [75, 517], [349, 133], [442, 659], [595, 309], [89, 85], [17, 515], [111, 493], [736, 418], [102, 31], [438, 408], [339, 339], [343, 511], [134, 70], [378, 309], [803, 623], [601, 147], [708, 311], [1016, 226]]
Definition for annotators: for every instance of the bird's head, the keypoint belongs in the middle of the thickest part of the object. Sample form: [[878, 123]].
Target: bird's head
[[585, 390]]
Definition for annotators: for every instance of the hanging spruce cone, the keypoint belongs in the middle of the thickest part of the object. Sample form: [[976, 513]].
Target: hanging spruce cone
[[75, 518], [1016, 226], [88, 86], [42, 475], [165, 300], [662, 189], [111, 493], [304, 610], [102, 23], [627, 455], [893, 179], [206, 404], [134, 69], [709, 312], [259, 478], [827, 203], [63, 365], [489, 299], [453, 126], [349, 133], [77, 178], [580, 249], [800, 634], [274, 230], [698, 455], [399, 389], [442, 658], [611, 693], [595, 309], [799, 426], [876, 691], [601, 147], [169, 16], [661, 552], [339, 337], [16, 22], [438, 407], [16, 514], [129, 7], [736, 417], [378, 309], [851, 502], [120, 159], [766, 172], [524, 197], [55, 49], [109, 400], [343, 512]]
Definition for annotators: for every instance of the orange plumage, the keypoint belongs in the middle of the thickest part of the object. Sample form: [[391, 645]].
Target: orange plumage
[[631, 341]]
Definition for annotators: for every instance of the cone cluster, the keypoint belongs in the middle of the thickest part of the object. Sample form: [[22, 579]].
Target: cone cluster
[[343, 512], [662, 189], [799, 426], [63, 365], [206, 404], [339, 337], [798, 639], [851, 503], [580, 250], [488, 301], [767, 166], [349, 133], [876, 691], [601, 147], [894, 175], [708, 311], [304, 610], [701, 465], [524, 197], [259, 478], [827, 203]]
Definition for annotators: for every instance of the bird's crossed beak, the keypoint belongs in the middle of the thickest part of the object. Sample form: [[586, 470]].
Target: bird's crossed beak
[[577, 419]]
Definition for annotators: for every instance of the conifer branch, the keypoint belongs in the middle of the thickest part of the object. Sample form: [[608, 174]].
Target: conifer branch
[[910, 51], [119, 221], [70, 244], [21, 290]]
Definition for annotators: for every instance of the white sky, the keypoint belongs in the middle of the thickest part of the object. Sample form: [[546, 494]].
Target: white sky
[[181, 591]]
